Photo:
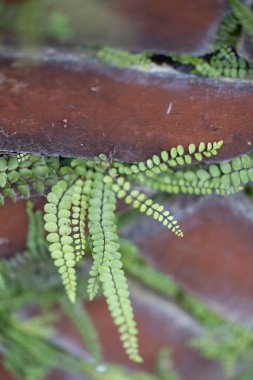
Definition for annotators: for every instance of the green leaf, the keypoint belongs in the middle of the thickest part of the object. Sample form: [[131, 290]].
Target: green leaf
[[3, 179], [191, 148]]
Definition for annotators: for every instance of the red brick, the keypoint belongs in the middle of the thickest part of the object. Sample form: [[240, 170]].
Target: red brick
[[73, 106], [141, 25], [214, 259]]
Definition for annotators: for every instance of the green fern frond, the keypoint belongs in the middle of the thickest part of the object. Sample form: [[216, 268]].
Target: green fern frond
[[244, 14], [177, 156], [124, 58], [225, 178], [227, 343], [146, 205], [35, 243], [21, 176], [164, 365], [85, 327], [58, 225], [101, 205], [106, 268], [224, 62], [228, 32], [78, 214]]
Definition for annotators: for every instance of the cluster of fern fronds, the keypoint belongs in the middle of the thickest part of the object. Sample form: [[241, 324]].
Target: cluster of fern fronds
[[81, 204], [29, 347], [27, 341], [223, 59]]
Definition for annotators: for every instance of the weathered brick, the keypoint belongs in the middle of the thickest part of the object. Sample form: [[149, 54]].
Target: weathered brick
[[214, 259], [74, 106], [139, 25]]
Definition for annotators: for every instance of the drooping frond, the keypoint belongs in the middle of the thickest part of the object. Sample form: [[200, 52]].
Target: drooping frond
[[106, 268], [244, 14], [36, 243], [164, 365], [78, 214], [58, 225], [146, 205], [102, 229], [228, 32], [85, 327]]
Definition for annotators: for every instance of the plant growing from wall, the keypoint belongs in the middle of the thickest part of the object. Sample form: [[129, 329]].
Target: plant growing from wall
[[28, 345], [82, 186], [222, 60], [83, 195]]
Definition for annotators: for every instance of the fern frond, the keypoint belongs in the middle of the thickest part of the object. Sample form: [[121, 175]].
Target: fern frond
[[21, 176], [228, 32], [85, 327], [107, 263], [146, 205], [225, 178], [177, 156], [244, 14], [78, 213], [58, 225], [223, 63], [228, 343], [164, 365], [122, 58]]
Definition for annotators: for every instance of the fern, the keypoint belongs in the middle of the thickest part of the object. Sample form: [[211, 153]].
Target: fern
[[85, 327], [57, 223], [82, 201], [20, 176], [244, 15], [107, 263], [225, 178], [146, 205], [177, 156], [164, 366], [228, 32], [222, 59], [123, 58], [81, 208], [224, 62], [229, 343]]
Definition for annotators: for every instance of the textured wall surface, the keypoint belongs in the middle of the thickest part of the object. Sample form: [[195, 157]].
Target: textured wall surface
[[75, 106], [135, 25], [60, 102]]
